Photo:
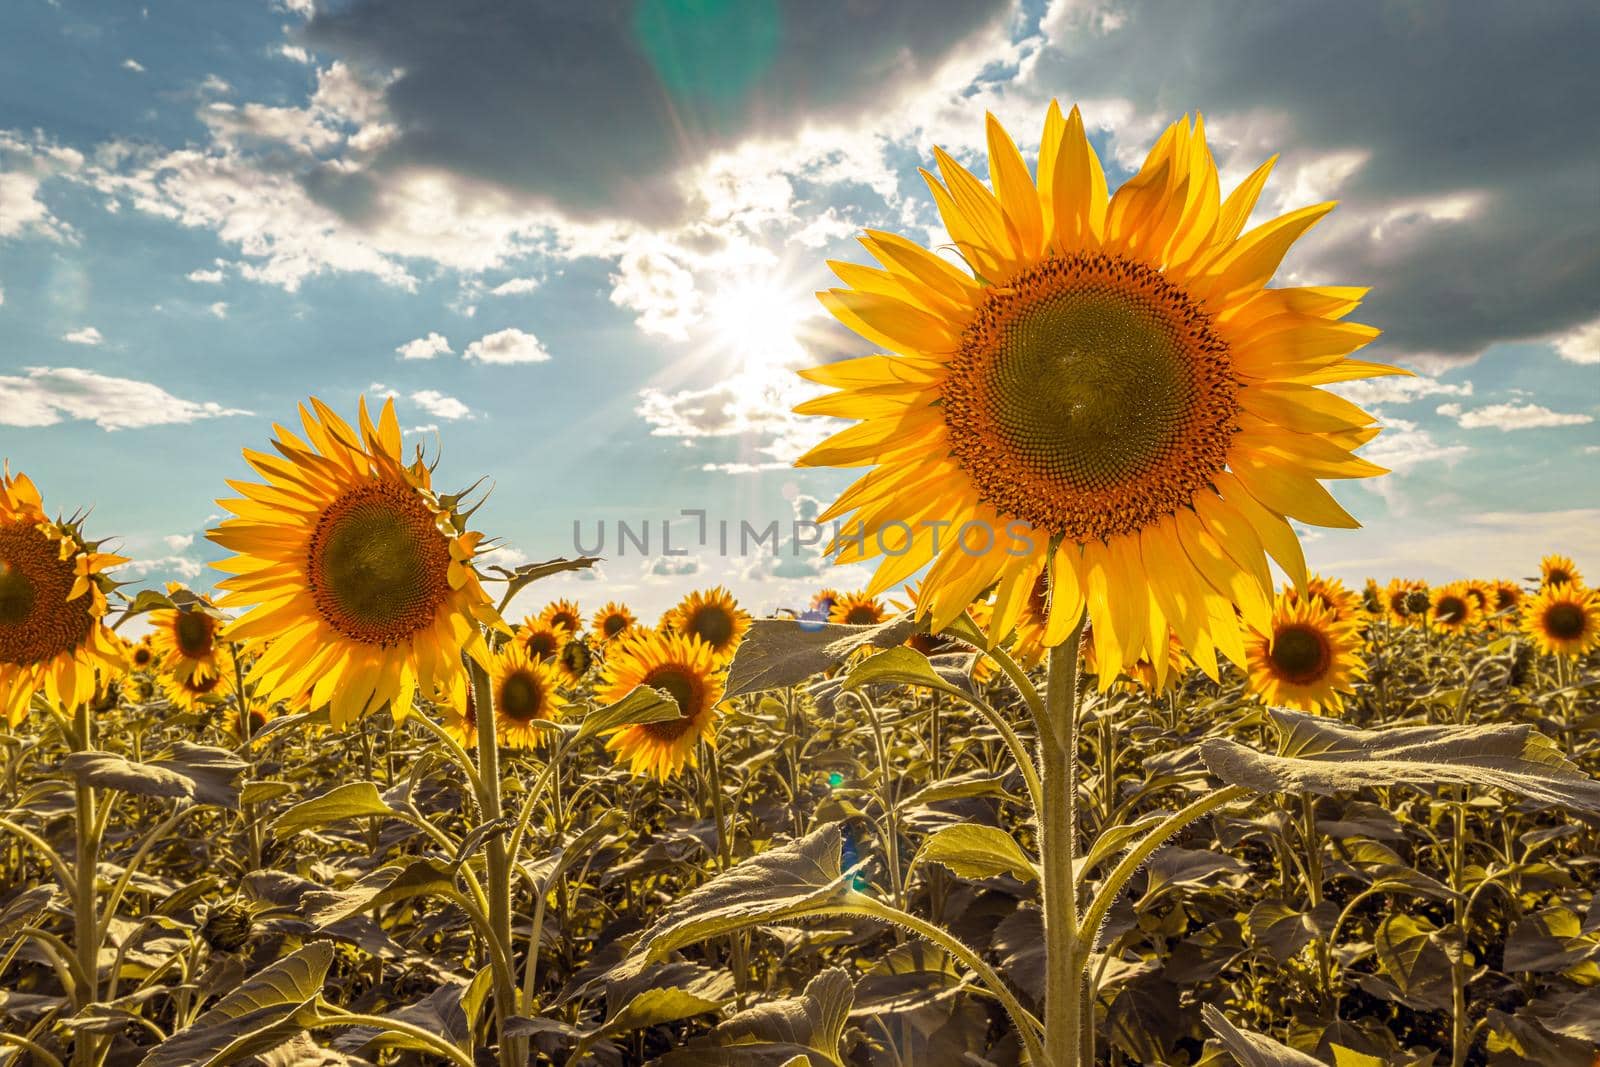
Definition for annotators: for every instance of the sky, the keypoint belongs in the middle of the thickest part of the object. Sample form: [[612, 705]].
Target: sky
[[577, 243]]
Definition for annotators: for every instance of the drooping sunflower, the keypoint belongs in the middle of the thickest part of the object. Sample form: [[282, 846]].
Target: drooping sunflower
[[260, 716], [1114, 377], [714, 616], [192, 690], [526, 692], [859, 609], [460, 721], [187, 639], [563, 614], [1032, 622], [1372, 599], [1150, 676], [684, 667], [1453, 609], [1400, 600], [613, 621], [1307, 659], [53, 586], [574, 660], [1563, 620], [541, 639], [943, 644], [1556, 569], [1330, 593], [359, 577]]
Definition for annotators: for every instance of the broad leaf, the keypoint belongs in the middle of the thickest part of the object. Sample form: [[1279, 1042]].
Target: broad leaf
[[383, 886], [199, 773], [974, 851], [349, 801], [901, 666], [1254, 1050], [259, 1015], [777, 653], [1318, 755], [643, 704], [805, 1030]]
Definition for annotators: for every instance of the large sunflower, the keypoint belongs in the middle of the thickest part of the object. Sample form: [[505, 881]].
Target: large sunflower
[[613, 621], [192, 689], [1559, 570], [53, 589], [525, 693], [714, 617], [541, 639], [359, 576], [1453, 608], [684, 667], [1112, 375], [1307, 659], [858, 609], [1563, 620], [187, 640]]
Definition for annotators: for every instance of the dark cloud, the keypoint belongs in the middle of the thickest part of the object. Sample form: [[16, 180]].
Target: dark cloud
[[1488, 100], [594, 106]]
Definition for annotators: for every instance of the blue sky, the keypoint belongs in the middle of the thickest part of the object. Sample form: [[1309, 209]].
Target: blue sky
[[578, 243]]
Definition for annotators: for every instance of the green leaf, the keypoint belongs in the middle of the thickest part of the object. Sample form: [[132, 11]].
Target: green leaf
[[805, 1030], [778, 653], [349, 801], [1318, 755], [198, 773], [1349, 1057], [450, 1011], [259, 1015], [1254, 1050], [783, 884], [1412, 953], [900, 666], [975, 851], [643, 704], [383, 886]]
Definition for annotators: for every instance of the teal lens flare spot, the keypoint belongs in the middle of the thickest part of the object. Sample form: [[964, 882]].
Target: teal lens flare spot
[[708, 52]]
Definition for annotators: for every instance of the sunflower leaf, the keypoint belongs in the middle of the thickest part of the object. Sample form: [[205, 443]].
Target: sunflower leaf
[[525, 575], [1254, 1050], [777, 653], [1318, 755], [259, 1015], [976, 851], [383, 886], [900, 666], [197, 773], [642, 705], [349, 801], [786, 883], [800, 1030]]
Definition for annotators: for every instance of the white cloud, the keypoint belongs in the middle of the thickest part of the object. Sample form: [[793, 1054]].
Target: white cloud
[[1373, 392], [133, 65], [21, 210], [219, 309], [1403, 445], [1581, 345], [1507, 417], [184, 567], [439, 405], [515, 287], [659, 568], [2, 297], [295, 53], [660, 290], [83, 335], [1477, 544], [49, 395], [178, 542], [507, 346], [205, 277], [427, 347]]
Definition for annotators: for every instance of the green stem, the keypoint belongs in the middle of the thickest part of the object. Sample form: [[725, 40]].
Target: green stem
[[85, 910], [329, 1016], [498, 861], [1058, 845]]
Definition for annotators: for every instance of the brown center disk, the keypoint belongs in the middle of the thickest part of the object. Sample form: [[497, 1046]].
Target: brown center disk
[[713, 625], [37, 621], [685, 690], [1300, 654], [1565, 622], [379, 567], [1091, 397], [521, 696], [195, 632]]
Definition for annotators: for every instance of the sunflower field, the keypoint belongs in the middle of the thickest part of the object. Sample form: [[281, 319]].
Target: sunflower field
[[1098, 786]]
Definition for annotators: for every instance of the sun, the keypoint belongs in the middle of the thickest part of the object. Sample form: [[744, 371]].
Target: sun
[[760, 322]]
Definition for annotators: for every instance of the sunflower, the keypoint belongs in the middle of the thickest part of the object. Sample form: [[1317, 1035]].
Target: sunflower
[[684, 667], [715, 618], [1372, 599], [1112, 384], [1146, 676], [541, 639], [260, 715], [193, 690], [525, 692], [940, 644], [1453, 609], [359, 576], [1307, 659], [1329, 593], [53, 589], [141, 654], [822, 601], [574, 660], [1507, 604], [1563, 620], [1558, 570], [859, 609], [613, 621], [187, 639], [460, 721], [563, 614], [1399, 600]]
